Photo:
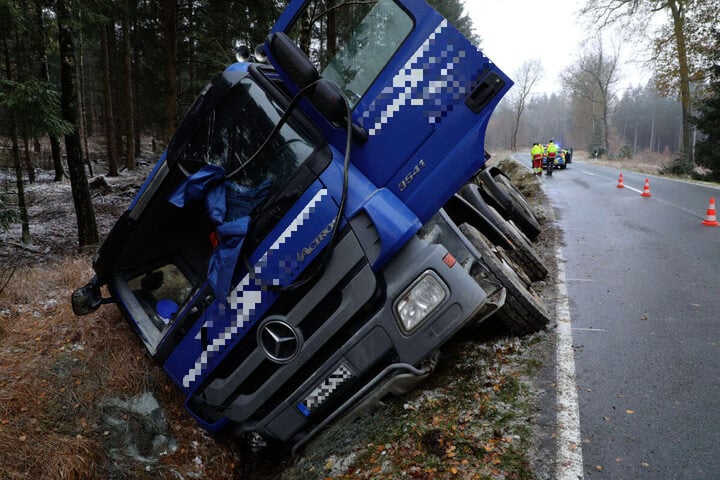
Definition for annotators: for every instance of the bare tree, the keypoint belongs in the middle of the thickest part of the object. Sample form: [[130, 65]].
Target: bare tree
[[526, 77], [636, 14], [592, 79]]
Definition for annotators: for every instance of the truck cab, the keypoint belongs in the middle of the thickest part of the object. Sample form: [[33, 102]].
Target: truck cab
[[288, 261]]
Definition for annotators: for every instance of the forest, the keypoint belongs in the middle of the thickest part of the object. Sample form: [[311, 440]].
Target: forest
[[109, 80]]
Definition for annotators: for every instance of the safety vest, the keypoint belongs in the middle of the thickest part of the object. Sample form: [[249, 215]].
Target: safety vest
[[536, 152], [552, 150]]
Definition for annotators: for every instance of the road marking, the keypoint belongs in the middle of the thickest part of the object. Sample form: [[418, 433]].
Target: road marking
[[668, 204], [579, 280], [583, 329], [627, 187], [569, 448]]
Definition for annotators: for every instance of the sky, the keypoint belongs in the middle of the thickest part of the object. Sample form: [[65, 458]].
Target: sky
[[514, 31]]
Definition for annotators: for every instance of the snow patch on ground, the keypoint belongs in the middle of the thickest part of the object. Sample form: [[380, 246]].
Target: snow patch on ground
[[51, 211]]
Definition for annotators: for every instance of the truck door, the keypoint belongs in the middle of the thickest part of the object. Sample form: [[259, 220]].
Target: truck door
[[421, 91]]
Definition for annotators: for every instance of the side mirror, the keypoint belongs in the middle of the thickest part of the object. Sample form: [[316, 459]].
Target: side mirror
[[292, 60], [329, 101], [325, 95], [87, 299]]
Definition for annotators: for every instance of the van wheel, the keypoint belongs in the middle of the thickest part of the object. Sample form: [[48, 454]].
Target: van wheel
[[523, 254], [513, 202], [524, 311]]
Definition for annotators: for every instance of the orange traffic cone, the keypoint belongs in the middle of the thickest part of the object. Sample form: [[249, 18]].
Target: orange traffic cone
[[710, 218], [620, 182], [646, 189]]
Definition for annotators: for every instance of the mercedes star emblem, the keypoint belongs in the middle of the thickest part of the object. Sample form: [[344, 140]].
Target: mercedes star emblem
[[279, 340]]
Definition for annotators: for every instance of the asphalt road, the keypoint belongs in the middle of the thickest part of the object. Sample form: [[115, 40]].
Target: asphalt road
[[643, 278]]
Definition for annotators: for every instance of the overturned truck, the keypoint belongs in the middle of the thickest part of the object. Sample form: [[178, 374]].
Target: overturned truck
[[309, 239]]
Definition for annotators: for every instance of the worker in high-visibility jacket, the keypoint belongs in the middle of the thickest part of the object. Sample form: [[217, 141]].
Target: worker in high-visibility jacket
[[536, 154], [552, 151]]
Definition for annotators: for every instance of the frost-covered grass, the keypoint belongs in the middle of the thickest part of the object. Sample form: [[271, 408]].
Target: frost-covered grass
[[471, 419]]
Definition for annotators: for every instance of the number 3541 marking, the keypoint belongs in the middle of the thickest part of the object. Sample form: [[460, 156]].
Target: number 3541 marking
[[405, 182]]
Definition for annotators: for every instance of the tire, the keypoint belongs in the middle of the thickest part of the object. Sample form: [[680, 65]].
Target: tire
[[524, 312], [522, 253], [515, 206], [462, 211]]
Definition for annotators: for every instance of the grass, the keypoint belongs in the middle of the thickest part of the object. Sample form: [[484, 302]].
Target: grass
[[467, 421], [58, 373]]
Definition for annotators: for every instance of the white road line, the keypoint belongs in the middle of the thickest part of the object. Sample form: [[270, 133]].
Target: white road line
[[569, 447], [633, 189], [626, 186], [695, 214], [583, 329]]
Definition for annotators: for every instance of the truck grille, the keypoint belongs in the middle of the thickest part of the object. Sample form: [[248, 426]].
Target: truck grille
[[247, 386]]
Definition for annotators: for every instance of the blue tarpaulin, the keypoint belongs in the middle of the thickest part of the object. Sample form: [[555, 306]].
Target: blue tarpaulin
[[228, 205], [205, 184]]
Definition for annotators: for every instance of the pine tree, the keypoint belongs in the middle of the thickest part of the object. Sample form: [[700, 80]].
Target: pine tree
[[87, 227]]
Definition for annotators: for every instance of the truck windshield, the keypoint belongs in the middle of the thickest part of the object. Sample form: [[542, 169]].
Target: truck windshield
[[351, 42], [234, 130]]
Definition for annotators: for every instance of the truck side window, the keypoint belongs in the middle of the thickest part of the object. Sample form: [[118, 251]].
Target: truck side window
[[348, 51], [160, 293]]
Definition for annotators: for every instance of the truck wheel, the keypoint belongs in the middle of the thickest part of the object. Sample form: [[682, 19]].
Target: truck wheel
[[523, 253], [524, 312], [515, 206]]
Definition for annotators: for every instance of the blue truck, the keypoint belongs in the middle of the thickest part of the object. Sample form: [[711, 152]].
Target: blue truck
[[303, 248]]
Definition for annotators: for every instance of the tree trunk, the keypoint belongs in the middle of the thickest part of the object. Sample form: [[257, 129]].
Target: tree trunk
[[27, 157], [606, 128], [87, 228], [107, 94], [129, 101], [117, 89], [331, 29], [83, 124], [45, 76], [136, 89], [516, 126], [22, 205], [171, 86], [191, 45], [652, 134], [678, 15]]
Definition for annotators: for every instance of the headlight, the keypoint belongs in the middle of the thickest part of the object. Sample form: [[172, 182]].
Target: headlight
[[419, 301]]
